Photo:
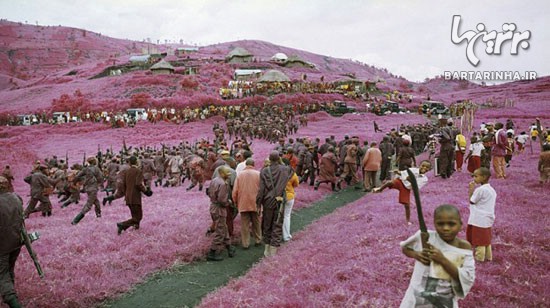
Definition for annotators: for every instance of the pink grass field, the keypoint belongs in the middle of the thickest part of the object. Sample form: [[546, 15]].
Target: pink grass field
[[352, 258], [88, 263]]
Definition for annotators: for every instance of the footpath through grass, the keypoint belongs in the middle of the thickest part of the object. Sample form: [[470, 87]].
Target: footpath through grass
[[186, 285]]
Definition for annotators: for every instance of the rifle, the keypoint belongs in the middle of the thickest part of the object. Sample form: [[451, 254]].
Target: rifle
[[99, 157], [124, 148], [123, 151], [423, 230], [281, 200], [216, 146], [27, 240]]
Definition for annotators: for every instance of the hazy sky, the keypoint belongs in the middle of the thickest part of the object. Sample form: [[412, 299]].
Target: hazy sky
[[411, 38]]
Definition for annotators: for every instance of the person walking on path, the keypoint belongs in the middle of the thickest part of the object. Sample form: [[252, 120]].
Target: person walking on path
[[327, 170], [388, 150], [245, 191], [270, 199], [371, 165], [218, 192], [290, 197]]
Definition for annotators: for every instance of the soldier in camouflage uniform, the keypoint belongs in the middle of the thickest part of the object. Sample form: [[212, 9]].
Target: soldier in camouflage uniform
[[92, 179], [148, 169], [218, 192], [11, 224], [41, 188]]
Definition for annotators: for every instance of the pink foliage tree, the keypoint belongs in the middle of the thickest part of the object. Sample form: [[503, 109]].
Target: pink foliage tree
[[76, 102], [189, 83], [140, 100]]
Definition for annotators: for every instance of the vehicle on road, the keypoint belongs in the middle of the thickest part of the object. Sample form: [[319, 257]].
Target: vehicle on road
[[387, 108], [338, 108], [137, 114], [435, 107]]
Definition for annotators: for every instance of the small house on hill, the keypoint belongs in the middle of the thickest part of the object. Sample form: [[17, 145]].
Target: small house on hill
[[162, 67], [187, 70], [141, 59], [239, 55], [295, 61], [180, 51], [274, 76], [279, 58], [246, 74]]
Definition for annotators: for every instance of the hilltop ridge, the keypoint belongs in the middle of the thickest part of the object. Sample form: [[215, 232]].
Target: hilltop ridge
[[39, 64]]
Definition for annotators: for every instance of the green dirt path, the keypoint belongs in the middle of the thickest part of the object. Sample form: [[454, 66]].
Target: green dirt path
[[186, 285]]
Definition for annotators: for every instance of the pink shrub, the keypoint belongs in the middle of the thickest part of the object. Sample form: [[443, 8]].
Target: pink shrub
[[65, 102], [204, 100], [189, 83], [155, 80], [140, 100]]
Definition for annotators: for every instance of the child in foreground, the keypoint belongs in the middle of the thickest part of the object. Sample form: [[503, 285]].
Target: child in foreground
[[445, 270], [402, 184], [482, 214]]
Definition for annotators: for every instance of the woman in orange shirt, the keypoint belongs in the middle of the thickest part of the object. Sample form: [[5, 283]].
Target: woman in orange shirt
[[290, 196]]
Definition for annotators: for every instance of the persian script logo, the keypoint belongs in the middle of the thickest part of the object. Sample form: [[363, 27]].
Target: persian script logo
[[493, 40]]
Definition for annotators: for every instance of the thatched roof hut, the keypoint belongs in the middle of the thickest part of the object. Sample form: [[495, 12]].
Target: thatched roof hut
[[239, 55], [162, 67], [273, 76], [295, 61]]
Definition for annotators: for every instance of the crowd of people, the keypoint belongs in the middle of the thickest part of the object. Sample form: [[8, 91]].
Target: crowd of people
[[244, 88], [264, 198], [129, 118]]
